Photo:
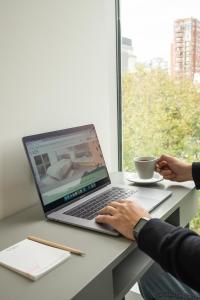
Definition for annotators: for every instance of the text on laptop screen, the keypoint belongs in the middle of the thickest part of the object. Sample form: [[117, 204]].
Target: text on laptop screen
[[68, 165]]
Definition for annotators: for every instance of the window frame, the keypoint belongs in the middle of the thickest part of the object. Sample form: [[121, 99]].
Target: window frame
[[119, 83]]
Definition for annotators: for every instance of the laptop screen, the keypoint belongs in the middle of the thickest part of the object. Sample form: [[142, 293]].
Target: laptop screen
[[66, 164]]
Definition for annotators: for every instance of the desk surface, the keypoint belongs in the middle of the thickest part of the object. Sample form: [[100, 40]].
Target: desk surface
[[99, 270]]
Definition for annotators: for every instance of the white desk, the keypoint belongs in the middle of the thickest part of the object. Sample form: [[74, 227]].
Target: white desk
[[111, 264]]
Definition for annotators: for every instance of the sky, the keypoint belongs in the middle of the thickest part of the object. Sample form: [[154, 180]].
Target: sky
[[149, 23]]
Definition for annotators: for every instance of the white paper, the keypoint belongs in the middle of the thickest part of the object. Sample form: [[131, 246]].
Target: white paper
[[32, 259]]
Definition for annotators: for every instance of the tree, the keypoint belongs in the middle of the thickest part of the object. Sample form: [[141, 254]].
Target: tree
[[160, 115]]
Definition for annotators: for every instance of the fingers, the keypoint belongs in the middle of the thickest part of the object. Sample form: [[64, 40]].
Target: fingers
[[162, 167], [166, 172], [104, 219], [170, 177], [164, 157], [163, 164], [113, 207], [106, 214], [108, 210]]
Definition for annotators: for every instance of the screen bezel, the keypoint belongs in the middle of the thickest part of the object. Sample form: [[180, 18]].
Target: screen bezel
[[62, 202]]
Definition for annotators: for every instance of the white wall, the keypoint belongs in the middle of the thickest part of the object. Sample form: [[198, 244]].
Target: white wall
[[57, 70]]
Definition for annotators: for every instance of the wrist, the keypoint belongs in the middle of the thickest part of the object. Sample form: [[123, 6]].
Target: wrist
[[138, 226], [189, 172]]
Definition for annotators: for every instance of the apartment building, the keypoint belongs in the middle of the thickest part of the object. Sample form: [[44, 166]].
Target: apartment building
[[185, 50]]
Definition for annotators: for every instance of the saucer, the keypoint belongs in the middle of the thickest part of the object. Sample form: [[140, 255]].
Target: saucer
[[134, 178]]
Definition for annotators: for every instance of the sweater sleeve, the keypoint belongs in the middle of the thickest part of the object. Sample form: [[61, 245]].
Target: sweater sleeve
[[176, 249], [196, 174]]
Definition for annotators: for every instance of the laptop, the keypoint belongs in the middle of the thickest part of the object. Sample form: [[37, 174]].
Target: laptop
[[72, 178]]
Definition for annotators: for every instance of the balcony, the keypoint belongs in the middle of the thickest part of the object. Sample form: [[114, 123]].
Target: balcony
[[179, 39], [179, 34]]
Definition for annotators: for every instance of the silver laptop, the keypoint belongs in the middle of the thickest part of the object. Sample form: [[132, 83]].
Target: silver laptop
[[72, 179]]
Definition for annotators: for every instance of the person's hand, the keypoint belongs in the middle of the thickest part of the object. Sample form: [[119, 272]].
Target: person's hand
[[174, 169], [122, 215]]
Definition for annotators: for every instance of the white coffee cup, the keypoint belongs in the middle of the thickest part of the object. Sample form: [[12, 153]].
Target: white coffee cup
[[145, 166]]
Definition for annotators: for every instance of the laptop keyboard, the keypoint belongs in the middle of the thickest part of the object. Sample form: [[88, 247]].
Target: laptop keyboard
[[90, 209]]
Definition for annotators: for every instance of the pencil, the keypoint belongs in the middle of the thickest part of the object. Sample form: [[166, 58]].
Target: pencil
[[55, 245]]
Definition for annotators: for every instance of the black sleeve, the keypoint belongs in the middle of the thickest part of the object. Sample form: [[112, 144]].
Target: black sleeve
[[176, 249], [196, 174]]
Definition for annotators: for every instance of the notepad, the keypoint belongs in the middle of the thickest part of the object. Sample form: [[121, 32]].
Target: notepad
[[32, 259]]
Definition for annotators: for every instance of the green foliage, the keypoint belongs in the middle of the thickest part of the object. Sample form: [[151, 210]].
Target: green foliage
[[195, 223], [160, 115]]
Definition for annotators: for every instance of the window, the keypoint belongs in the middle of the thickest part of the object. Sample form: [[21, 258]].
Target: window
[[42, 163], [160, 94]]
